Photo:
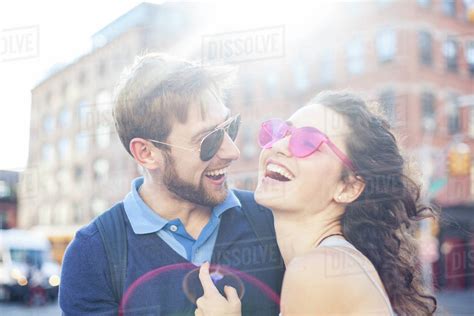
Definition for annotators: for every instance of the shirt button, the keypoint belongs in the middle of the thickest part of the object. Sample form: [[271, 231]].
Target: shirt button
[[173, 228]]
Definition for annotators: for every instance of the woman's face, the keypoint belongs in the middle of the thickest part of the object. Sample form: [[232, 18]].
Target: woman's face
[[315, 180]]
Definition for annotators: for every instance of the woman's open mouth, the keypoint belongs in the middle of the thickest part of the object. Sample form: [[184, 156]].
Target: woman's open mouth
[[278, 173]]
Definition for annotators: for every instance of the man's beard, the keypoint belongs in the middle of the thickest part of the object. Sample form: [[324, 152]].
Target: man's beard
[[188, 191]]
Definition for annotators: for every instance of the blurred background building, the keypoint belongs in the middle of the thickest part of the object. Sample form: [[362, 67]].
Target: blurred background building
[[414, 57], [8, 199]]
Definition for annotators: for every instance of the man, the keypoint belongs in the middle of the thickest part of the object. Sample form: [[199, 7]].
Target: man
[[170, 117]]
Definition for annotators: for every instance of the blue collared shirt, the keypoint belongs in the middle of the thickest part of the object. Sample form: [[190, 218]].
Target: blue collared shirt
[[145, 221]]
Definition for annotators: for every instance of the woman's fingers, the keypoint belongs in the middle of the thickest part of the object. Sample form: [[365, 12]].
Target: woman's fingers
[[206, 281], [232, 295], [198, 312]]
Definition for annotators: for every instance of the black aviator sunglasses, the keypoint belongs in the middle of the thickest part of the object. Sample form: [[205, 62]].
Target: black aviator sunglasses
[[211, 143]]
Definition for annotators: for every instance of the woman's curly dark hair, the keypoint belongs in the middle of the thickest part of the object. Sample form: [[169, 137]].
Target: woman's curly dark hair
[[380, 222]]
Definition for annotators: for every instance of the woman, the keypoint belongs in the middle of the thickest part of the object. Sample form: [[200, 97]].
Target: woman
[[343, 207]]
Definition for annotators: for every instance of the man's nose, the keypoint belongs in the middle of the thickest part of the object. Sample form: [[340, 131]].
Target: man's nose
[[228, 149]]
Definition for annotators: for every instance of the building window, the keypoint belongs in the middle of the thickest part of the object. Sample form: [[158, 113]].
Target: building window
[[5, 191], [65, 117], [103, 119], [47, 98], [425, 46], [428, 114], [387, 101], [327, 68], [82, 142], [63, 178], [81, 78], [64, 148], [78, 172], [51, 186], [386, 43], [471, 123], [48, 153], [355, 57], [80, 215], [44, 215], [63, 213], [424, 3], [271, 83], [102, 136], [85, 116], [450, 52], [48, 124], [452, 113], [470, 57], [64, 89], [3, 225], [300, 75], [449, 7], [101, 169], [102, 68]]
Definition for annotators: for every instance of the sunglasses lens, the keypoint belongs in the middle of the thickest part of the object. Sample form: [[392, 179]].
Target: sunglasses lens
[[305, 141], [233, 128], [271, 131], [211, 144]]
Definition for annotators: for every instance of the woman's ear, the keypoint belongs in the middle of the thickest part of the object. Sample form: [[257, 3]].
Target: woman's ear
[[144, 154], [351, 188]]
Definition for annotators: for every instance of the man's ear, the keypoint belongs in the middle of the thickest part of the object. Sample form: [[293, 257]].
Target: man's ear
[[145, 154], [351, 188]]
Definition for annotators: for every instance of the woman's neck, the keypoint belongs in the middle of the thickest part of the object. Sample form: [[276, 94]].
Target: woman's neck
[[298, 234]]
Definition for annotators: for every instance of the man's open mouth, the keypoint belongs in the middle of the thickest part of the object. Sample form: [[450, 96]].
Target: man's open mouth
[[278, 173], [216, 174]]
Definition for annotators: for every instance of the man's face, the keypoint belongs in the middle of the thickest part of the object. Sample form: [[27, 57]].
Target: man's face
[[185, 174]]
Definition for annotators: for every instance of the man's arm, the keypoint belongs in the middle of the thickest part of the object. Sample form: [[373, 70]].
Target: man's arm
[[85, 285]]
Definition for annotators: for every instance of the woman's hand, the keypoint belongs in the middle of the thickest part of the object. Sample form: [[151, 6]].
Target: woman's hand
[[212, 303]]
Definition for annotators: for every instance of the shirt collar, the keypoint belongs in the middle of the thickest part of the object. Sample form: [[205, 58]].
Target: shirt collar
[[144, 220]]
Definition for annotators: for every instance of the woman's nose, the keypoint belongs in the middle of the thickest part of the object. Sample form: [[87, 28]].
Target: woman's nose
[[282, 146]]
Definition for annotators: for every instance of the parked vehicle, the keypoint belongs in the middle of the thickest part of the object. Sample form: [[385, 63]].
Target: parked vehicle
[[27, 271]]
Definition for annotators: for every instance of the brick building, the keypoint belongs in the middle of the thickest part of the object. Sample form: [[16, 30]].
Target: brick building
[[415, 57]]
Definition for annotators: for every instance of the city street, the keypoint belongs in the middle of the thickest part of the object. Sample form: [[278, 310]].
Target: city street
[[18, 309], [450, 303], [456, 303]]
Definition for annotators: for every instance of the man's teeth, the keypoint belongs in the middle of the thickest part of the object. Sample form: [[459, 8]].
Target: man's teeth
[[215, 173], [280, 170]]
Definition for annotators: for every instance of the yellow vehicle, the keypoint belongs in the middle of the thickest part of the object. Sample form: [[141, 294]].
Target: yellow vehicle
[[59, 237]]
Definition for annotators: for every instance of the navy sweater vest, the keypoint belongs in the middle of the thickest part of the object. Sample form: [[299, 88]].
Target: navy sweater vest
[[257, 268]]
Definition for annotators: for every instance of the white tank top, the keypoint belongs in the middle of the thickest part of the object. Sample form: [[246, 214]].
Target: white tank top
[[336, 241]]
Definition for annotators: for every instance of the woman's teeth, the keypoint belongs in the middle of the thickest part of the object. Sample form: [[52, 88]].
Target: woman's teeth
[[273, 168]]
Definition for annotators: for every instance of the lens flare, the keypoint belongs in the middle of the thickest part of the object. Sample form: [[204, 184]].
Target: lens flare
[[220, 275]]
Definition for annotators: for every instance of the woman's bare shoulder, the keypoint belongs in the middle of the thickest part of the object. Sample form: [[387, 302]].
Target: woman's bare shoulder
[[325, 264], [317, 282]]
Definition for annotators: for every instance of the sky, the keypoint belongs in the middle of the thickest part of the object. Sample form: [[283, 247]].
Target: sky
[[64, 32]]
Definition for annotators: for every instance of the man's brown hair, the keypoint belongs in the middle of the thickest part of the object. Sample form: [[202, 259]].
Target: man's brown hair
[[157, 90]]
